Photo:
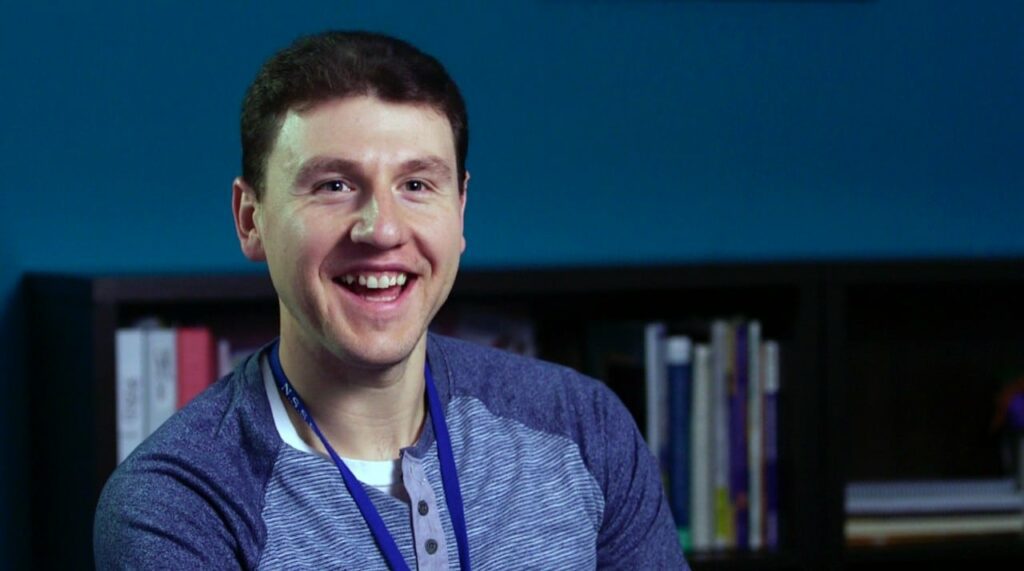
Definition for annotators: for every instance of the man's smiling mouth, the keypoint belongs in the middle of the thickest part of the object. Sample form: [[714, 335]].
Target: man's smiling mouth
[[376, 286]]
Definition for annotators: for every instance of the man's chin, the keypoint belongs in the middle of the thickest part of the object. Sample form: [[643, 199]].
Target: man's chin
[[379, 355]]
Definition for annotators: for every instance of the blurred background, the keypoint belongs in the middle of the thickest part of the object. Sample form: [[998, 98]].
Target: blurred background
[[602, 132]]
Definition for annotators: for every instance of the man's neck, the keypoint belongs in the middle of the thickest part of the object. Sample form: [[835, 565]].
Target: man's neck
[[367, 414]]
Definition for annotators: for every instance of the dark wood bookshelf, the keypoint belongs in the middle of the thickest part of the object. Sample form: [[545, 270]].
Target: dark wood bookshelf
[[915, 354], [980, 553], [834, 321], [729, 560]]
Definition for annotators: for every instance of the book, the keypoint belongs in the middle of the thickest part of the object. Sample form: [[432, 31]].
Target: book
[[739, 475], [160, 377], [225, 361], [770, 369], [930, 497], [655, 383], [722, 343], [130, 362], [197, 362], [755, 434], [702, 515], [679, 374], [883, 530]]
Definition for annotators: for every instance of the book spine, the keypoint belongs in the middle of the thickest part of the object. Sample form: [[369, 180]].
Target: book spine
[[933, 497], [738, 465], [755, 432], [225, 363], [131, 424], [679, 372], [702, 515], [655, 386], [770, 370], [889, 529], [197, 362], [721, 342], [162, 369]]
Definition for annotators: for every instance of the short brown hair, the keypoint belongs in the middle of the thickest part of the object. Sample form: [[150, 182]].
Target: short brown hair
[[339, 64]]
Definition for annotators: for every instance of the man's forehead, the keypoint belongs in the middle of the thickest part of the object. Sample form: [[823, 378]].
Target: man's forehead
[[302, 113], [405, 130]]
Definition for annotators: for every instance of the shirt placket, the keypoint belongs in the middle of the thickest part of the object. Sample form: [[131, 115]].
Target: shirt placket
[[428, 535]]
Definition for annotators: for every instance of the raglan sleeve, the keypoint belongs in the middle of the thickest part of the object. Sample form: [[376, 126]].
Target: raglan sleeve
[[159, 516], [637, 530]]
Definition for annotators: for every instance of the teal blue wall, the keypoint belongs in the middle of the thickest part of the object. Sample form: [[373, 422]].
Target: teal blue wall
[[602, 131]]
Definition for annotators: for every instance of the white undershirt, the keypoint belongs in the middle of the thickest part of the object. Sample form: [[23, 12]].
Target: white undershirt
[[385, 475]]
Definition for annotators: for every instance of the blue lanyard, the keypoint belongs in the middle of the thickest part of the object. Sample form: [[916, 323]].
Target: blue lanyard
[[449, 474]]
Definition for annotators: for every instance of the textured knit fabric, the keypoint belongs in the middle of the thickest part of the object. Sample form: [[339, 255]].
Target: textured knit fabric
[[553, 471], [385, 475]]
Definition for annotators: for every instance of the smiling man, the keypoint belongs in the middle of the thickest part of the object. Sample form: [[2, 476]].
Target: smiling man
[[358, 440]]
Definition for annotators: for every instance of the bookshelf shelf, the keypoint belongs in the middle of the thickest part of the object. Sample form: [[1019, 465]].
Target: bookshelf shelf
[[861, 342], [981, 553], [742, 561]]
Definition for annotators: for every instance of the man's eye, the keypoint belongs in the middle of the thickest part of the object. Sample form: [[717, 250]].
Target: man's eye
[[335, 186], [415, 185]]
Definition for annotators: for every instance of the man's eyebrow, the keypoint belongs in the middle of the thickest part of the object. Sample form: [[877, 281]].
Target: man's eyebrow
[[433, 164]]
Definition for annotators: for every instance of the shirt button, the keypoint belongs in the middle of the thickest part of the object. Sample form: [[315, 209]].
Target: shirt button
[[431, 546], [423, 508]]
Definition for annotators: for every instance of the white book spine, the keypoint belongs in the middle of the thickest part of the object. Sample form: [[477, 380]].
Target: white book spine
[[702, 518], [655, 387], [130, 360], [162, 376], [755, 432]]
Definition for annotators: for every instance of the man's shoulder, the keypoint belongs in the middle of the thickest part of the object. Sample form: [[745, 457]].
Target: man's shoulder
[[544, 396], [196, 484], [225, 418], [473, 367], [217, 445]]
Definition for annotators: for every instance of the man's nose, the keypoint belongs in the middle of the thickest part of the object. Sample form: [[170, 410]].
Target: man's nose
[[379, 221]]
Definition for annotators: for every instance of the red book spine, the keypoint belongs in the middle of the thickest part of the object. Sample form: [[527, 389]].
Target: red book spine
[[197, 362]]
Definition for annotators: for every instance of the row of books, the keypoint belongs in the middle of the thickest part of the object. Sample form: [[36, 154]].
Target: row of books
[[159, 370], [887, 513], [712, 410]]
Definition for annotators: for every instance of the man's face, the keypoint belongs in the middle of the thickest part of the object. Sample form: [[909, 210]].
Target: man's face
[[361, 225]]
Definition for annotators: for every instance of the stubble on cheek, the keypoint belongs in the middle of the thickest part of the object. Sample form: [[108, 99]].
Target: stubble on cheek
[[297, 259]]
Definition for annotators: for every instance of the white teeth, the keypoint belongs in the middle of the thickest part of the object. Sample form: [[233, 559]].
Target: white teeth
[[377, 281]]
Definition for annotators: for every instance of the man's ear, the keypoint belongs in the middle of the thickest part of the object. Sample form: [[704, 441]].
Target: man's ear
[[246, 209], [463, 196]]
